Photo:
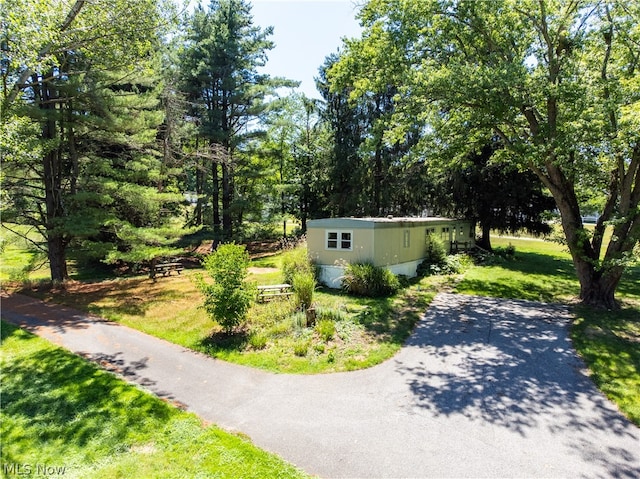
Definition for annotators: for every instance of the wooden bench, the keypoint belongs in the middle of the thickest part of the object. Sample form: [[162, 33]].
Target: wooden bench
[[265, 293], [166, 269]]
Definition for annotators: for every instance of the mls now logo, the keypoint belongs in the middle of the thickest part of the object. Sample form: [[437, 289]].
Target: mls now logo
[[14, 469]]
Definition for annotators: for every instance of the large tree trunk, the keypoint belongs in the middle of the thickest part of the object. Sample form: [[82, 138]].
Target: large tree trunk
[[599, 290], [377, 181], [485, 240], [597, 284], [52, 178], [215, 195], [57, 253], [200, 181], [227, 194]]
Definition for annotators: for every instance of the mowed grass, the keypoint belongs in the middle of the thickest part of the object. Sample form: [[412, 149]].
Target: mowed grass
[[19, 259], [609, 342], [275, 338], [368, 331], [62, 412], [540, 271]]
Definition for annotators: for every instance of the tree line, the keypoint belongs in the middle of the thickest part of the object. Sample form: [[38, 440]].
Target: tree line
[[499, 111]]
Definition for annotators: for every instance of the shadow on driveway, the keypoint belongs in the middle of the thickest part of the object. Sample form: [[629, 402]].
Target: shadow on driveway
[[511, 364]]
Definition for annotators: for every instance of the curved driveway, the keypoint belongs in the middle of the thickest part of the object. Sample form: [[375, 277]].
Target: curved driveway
[[483, 388]]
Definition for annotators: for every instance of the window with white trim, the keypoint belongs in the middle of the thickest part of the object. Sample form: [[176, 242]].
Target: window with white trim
[[340, 240], [428, 234]]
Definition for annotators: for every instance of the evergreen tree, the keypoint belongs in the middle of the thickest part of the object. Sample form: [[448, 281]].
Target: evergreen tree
[[58, 98], [370, 173], [496, 196], [222, 54], [346, 121]]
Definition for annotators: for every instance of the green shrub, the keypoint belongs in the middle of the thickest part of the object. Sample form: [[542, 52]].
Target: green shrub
[[435, 258], [508, 252], [296, 261], [229, 298], [325, 329], [498, 256], [258, 341], [435, 252], [301, 347], [456, 263], [365, 279], [304, 285]]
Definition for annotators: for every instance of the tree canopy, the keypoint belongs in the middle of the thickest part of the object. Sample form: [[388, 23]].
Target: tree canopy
[[556, 81], [222, 52], [113, 114], [81, 92]]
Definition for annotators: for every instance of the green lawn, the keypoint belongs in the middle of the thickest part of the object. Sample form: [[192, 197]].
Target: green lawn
[[609, 342], [62, 412], [19, 259], [365, 332], [540, 271]]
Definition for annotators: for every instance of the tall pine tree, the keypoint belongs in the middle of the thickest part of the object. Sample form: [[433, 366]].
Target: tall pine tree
[[222, 54], [55, 61]]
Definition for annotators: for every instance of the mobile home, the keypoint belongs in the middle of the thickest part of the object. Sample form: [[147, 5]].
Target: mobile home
[[398, 244]]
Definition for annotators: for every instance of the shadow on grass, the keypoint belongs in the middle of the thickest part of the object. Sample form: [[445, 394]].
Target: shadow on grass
[[222, 341], [539, 263], [58, 401], [522, 289], [390, 319], [531, 276], [127, 297], [608, 341], [630, 283]]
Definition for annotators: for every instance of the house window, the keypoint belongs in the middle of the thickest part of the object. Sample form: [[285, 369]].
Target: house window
[[445, 232], [429, 233], [406, 238], [340, 240]]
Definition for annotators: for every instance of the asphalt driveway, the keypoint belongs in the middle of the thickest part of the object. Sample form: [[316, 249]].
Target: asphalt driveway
[[483, 388]]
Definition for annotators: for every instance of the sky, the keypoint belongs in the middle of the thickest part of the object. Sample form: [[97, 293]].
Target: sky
[[305, 33]]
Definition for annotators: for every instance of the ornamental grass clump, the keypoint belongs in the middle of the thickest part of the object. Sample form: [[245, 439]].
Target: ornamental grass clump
[[304, 284], [229, 298], [296, 261], [365, 279]]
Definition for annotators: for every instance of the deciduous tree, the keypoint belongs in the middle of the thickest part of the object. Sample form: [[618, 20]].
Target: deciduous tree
[[557, 81]]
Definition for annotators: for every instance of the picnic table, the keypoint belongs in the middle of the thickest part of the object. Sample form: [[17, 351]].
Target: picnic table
[[265, 293], [166, 268]]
